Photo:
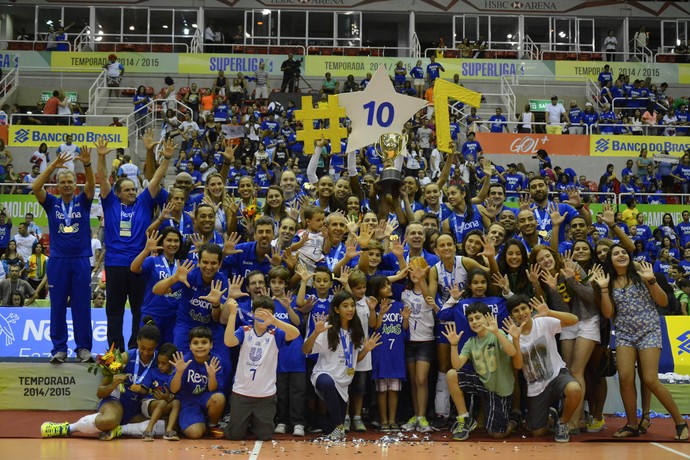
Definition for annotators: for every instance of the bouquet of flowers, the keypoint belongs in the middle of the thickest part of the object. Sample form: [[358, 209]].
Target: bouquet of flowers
[[108, 364], [250, 212]]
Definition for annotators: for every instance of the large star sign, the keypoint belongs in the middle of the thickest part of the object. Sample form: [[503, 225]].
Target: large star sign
[[377, 110]]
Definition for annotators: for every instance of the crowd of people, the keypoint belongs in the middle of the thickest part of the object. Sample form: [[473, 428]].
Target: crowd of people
[[287, 313]]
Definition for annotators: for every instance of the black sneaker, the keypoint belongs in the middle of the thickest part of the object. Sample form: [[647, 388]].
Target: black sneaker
[[440, 423], [463, 427]]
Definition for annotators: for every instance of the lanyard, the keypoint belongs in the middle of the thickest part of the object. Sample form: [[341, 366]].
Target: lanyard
[[66, 213], [135, 377], [542, 220], [348, 351], [181, 225], [332, 261], [167, 266]]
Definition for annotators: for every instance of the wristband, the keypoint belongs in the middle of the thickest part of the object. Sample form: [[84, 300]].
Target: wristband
[[215, 306], [87, 165], [363, 249], [651, 282]]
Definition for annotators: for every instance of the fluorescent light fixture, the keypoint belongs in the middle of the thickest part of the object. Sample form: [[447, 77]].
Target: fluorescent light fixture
[[100, 32], [265, 12], [131, 27], [194, 26], [165, 26], [185, 31]]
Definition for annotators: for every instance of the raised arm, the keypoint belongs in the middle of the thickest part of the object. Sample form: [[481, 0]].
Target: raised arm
[[42, 179], [102, 150], [85, 158], [167, 153]]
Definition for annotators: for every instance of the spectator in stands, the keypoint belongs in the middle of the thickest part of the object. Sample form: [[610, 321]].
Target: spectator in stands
[[61, 38], [209, 39], [526, 118], [669, 121], [640, 40], [365, 81], [330, 85], [11, 257], [682, 120], [12, 284], [262, 89], [5, 155], [29, 178], [51, 108], [114, 71], [350, 85], [681, 173], [140, 101], [555, 114], [575, 114], [471, 150], [51, 39], [417, 74], [290, 68], [238, 89], [665, 165], [610, 45], [498, 122], [192, 99], [607, 120], [23, 36], [605, 76], [682, 51], [433, 70], [605, 95], [399, 76]]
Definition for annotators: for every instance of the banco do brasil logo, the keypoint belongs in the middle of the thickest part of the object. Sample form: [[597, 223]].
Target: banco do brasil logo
[[602, 145], [21, 136]]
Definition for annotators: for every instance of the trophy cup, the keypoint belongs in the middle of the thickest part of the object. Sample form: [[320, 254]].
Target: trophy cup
[[389, 147]]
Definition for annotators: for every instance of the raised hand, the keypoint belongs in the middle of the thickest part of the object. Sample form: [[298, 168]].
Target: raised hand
[[525, 201], [183, 270], [169, 148], [570, 268], [600, 277], [386, 305], [372, 302], [344, 275], [366, 231], [574, 198], [556, 218], [646, 271], [289, 258], [540, 306], [215, 293], [351, 248], [490, 209], [275, 258], [235, 287], [102, 147], [85, 156], [549, 279], [152, 240], [230, 241], [166, 212], [533, 273], [406, 312], [501, 282], [264, 316], [491, 323], [212, 367], [391, 226], [430, 301], [197, 241], [229, 152], [320, 324], [456, 292], [352, 223], [451, 334], [61, 160], [608, 216], [380, 230], [489, 248], [179, 362], [303, 273], [398, 249], [232, 306], [511, 328], [373, 342], [148, 139]]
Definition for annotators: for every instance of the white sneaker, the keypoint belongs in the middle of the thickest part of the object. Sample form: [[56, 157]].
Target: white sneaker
[[346, 424], [298, 430], [280, 429]]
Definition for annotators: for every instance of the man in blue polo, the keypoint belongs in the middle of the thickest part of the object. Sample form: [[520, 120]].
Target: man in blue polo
[[69, 270], [126, 218]]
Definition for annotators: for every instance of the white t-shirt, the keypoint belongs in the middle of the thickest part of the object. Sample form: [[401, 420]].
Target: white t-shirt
[[364, 313], [422, 316], [72, 150], [424, 135], [189, 128], [435, 162], [95, 246], [333, 362], [257, 365], [25, 245], [541, 361], [553, 113], [132, 172], [38, 156]]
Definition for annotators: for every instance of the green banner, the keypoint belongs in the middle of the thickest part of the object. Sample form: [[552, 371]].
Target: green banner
[[71, 95], [41, 386], [18, 205], [539, 105]]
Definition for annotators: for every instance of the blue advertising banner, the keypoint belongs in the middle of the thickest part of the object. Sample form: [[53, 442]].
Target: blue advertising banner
[[25, 332]]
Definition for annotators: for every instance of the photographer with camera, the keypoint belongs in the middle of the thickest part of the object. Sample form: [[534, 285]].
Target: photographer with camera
[[291, 74]]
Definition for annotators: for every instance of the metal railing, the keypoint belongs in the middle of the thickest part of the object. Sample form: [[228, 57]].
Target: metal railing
[[593, 91], [9, 84], [416, 46], [197, 43], [67, 119], [407, 51], [508, 97], [530, 48], [33, 45], [139, 47], [83, 39], [503, 50], [234, 48], [94, 91]]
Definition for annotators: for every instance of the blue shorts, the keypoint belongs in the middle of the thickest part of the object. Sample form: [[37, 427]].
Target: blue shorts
[[131, 407], [193, 409]]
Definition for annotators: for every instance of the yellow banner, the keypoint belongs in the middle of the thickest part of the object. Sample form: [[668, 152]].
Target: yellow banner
[[54, 136], [627, 146], [132, 62], [684, 74], [231, 64], [565, 70]]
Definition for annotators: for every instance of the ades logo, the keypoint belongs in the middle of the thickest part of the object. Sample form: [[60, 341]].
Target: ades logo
[[602, 145], [21, 136], [6, 323], [684, 340]]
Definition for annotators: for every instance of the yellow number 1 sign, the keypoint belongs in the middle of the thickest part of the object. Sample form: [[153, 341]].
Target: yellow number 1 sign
[[443, 90]]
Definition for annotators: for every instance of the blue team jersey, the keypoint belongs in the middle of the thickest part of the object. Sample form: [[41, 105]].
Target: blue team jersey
[[193, 311], [543, 217], [270, 125], [292, 358], [460, 224], [244, 262], [470, 149], [125, 226], [154, 269], [388, 360], [69, 224], [139, 373], [160, 380], [417, 72], [194, 380], [185, 225], [434, 71], [5, 232], [498, 123]]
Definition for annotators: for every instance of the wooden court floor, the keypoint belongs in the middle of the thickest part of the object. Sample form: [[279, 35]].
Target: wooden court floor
[[124, 449]]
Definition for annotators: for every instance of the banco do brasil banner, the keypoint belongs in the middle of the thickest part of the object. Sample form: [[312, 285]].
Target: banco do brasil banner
[[626, 146], [54, 136]]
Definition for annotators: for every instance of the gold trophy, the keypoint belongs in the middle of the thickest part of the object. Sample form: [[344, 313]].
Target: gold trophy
[[388, 148]]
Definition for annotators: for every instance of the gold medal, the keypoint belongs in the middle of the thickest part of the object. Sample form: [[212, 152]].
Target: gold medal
[[350, 371], [67, 229]]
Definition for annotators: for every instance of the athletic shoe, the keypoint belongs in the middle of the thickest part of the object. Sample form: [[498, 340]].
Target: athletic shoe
[[337, 435], [84, 356], [147, 436], [463, 427], [215, 431], [280, 428], [411, 424], [171, 436], [298, 430], [423, 425], [595, 426], [395, 427], [346, 424], [110, 434], [359, 425], [54, 430], [440, 423], [385, 428], [562, 433], [314, 429], [58, 358], [553, 420]]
